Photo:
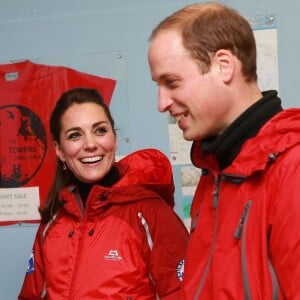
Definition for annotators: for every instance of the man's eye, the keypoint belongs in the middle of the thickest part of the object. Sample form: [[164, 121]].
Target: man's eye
[[171, 82]]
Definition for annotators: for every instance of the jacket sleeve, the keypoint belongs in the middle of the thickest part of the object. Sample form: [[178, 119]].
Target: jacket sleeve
[[284, 242], [169, 240], [34, 281]]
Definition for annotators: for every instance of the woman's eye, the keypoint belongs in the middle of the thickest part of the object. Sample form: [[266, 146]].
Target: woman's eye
[[101, 130], [73, 135]]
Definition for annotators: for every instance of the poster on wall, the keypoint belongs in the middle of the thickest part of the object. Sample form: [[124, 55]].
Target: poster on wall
[[28, 92]]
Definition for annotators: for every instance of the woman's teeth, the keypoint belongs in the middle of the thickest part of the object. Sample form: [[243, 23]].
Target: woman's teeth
[[91, 159]]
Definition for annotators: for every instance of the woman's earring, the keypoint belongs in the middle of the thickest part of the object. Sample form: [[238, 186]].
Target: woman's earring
[[64, 166]]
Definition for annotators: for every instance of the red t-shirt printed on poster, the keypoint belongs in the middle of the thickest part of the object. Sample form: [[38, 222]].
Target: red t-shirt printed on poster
[[28, 93]]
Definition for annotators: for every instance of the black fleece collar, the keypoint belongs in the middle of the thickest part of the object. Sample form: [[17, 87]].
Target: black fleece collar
[[227, 145], [108, 180]]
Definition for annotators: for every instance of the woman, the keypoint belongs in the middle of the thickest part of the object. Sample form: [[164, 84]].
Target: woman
[[108, 230]]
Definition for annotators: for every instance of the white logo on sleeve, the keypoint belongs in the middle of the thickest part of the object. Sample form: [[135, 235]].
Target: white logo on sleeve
[[113, 255]]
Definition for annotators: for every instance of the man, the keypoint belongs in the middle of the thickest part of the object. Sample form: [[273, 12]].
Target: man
[[245, 228]]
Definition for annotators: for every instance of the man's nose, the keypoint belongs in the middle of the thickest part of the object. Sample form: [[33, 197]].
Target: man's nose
[[164, 101]]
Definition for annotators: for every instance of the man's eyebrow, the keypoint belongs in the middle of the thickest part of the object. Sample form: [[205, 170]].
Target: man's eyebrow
[[164, 77]]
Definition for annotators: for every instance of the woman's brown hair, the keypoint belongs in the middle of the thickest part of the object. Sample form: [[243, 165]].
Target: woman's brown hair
[[63, 176]]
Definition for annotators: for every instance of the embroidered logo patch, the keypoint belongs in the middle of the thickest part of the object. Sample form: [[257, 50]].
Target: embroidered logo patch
[[113, 255], [30, 267], [180, 270]]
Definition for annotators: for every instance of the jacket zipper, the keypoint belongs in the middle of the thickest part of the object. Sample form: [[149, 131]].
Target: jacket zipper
[[240, 233], [80, 244], [216, 207]]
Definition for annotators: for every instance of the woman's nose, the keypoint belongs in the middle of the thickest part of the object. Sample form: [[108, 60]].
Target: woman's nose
[[90, 143]]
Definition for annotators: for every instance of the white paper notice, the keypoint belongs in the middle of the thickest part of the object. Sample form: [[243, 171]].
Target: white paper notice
[[179, 147], [19, 204], [190, 177], [267, 59]]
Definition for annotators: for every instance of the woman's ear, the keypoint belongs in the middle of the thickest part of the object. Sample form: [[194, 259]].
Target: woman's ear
[[225, 62], [59, 151]]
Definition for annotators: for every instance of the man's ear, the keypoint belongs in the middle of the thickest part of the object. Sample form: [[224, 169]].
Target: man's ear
[[225, 63]]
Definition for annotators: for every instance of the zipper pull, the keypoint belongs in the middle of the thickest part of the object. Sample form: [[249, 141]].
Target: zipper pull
[[238, 231], [216, 193], [194, 222]]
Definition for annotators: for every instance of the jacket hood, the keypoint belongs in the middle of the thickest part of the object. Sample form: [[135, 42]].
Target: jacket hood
[[148, 168], [278, 135]]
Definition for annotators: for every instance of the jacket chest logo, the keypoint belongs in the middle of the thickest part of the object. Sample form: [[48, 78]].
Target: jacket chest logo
[[113, 255]]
